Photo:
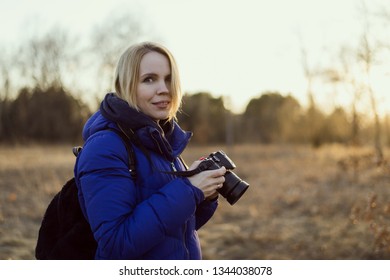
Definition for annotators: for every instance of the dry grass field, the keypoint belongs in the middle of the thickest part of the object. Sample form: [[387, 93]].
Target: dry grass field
[[303, 203]]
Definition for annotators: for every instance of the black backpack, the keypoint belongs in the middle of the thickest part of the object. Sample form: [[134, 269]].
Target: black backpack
[[65, 234]]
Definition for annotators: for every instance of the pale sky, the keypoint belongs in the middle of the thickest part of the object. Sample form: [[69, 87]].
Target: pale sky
[[235, 48]]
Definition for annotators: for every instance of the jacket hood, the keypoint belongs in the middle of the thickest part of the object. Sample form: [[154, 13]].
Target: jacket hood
[[168, 138]]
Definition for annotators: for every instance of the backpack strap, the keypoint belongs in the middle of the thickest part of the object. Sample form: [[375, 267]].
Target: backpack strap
[[130, 151], [129, 133], [76, 150]]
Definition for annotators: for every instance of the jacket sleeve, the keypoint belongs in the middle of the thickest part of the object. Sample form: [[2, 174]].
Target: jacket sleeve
[[123, 228], [205, 211]]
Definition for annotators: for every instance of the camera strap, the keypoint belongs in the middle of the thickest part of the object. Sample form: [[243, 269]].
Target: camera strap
[[204, 165]]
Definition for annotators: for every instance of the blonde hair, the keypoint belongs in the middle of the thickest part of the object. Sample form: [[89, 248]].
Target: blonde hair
[[127, 75]]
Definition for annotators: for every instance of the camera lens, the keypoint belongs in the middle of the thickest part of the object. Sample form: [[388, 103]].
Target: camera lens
[[233, 188]]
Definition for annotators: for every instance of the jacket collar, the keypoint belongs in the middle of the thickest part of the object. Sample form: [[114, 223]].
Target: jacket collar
[[167, 138]]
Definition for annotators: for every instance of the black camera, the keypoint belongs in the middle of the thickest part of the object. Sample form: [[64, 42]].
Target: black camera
[[233, 187]]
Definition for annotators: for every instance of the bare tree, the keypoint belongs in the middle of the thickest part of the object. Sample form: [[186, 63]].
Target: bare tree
[[367, 56], [109, 39], [314, 118], [42, 59], [355, 88], [5, 67], [309, 75], [342, 75], [4, 92]]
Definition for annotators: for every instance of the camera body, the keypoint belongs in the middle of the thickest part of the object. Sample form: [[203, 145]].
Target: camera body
[[233, 187]]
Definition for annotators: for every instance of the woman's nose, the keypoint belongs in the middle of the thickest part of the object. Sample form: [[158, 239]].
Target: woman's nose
[[163, 88]]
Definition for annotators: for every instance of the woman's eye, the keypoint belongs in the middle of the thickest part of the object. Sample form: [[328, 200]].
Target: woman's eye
[[148, 80]]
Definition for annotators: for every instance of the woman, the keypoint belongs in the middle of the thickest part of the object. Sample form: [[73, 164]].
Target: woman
[[155, 215]]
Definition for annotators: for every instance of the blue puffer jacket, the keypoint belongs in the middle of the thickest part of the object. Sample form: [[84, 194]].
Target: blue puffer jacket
[[155, 217]]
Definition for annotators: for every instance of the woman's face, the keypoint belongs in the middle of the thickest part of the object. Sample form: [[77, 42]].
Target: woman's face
[[154, 85]]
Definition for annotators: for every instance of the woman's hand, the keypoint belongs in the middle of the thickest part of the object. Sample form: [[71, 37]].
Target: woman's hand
[[208, 181]]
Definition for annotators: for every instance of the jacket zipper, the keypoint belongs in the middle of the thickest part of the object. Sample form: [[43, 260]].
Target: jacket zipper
[[158, 145], [184, 241], [173, 166], [185, 224]]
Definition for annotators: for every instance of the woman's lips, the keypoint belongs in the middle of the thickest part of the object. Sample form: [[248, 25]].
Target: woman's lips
[[161, 104]]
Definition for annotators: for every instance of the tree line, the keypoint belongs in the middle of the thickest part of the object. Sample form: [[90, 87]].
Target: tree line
[[42, 116], [55, 115], [275, 118]]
